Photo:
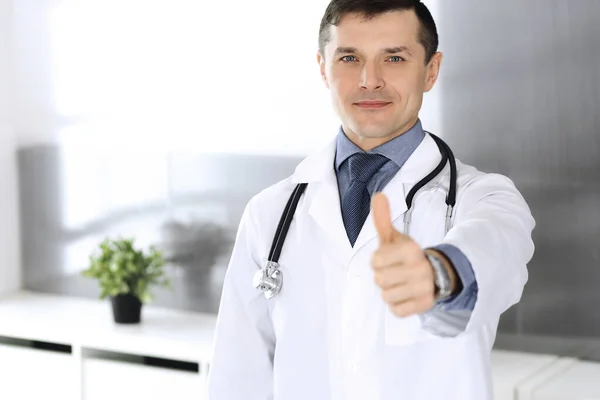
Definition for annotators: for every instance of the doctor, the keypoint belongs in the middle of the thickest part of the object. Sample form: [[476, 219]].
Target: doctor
[[371, 307]]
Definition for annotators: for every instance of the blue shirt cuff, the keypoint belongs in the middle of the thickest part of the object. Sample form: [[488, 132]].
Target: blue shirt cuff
[[466, 298]]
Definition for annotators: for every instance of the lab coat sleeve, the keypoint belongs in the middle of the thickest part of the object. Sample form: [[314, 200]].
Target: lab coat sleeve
[[492, 228], [242, 362]]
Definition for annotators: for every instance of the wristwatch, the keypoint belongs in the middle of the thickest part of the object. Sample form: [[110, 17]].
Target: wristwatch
[[443, 285]]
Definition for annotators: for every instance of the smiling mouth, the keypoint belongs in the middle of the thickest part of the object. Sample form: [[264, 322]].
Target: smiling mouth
[[372, 104]]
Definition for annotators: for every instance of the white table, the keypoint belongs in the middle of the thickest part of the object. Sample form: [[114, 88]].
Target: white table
[[100, 359]]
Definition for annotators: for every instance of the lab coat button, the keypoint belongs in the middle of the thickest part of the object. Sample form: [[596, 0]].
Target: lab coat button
[[353, 367]]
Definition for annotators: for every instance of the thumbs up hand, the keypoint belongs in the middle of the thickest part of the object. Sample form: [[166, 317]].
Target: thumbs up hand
[[401, 269]]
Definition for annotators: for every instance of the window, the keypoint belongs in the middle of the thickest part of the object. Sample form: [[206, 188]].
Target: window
[[190, 75]]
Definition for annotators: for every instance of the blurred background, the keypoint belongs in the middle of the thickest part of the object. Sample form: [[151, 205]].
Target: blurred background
[[159, 120]]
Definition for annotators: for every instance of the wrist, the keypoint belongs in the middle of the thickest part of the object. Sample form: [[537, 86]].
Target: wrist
[[455, 285]]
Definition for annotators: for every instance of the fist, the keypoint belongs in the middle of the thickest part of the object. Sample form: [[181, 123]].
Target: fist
[[401, 269]]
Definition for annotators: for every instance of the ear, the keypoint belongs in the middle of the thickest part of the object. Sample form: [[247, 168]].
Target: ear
[[321, 62], [432, 71]]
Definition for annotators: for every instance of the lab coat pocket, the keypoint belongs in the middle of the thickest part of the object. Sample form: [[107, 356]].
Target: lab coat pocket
[[404, 331]]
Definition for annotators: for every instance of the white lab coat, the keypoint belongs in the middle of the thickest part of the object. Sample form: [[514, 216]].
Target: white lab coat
[[329, 335]]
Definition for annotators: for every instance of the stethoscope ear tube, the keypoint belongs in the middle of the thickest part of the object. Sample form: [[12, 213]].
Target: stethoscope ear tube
[[449, 156], [451, 196], [285, 222]]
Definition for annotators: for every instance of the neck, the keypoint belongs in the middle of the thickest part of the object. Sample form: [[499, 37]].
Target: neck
[[369, 143]]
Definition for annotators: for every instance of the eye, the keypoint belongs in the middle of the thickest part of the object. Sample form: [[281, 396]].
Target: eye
[[396, 59], [348, 58]]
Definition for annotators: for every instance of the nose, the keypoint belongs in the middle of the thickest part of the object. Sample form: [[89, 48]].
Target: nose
[[371, 78]]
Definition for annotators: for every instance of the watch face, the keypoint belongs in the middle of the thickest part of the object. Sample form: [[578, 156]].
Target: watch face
[[442, 280], [439, 283]]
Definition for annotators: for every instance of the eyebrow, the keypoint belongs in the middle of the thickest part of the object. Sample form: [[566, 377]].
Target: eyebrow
[[387, 50]]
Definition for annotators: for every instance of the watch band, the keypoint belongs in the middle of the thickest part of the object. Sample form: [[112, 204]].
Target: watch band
[[442, 279]]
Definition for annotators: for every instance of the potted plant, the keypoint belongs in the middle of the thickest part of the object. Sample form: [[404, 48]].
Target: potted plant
[[125, 275]]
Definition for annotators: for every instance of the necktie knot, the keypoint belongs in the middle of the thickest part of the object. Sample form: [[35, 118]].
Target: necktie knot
[[363, 166]]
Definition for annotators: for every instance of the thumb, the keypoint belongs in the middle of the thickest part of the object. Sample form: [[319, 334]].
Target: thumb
[[382, 218]]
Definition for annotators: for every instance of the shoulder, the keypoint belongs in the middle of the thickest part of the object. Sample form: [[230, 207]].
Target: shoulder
[[264, 209], [479, 184], [273, 197]]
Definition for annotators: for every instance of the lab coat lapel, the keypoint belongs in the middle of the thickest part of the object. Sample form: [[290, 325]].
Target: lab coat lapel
[[324, 200], [325, 209], [423, 160]]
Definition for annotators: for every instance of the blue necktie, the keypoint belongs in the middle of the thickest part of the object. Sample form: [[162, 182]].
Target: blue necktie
[[356, 203]]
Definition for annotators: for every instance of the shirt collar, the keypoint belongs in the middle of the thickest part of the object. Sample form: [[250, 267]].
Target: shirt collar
[[398, 149]]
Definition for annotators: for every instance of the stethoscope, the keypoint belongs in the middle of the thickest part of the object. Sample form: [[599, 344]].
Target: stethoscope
[[269, 278]]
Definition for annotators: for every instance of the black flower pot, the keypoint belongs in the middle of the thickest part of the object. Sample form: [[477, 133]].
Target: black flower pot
[[127, 309]]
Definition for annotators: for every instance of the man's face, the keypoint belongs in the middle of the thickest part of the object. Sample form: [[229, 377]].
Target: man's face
[[375, 70]]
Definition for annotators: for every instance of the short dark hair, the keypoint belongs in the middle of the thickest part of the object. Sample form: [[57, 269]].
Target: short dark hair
[[337, 9]]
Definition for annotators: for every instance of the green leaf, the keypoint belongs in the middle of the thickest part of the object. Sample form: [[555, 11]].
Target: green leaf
[[121, 268]]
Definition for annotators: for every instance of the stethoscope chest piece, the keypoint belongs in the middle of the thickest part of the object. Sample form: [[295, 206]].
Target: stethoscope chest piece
[[269, 279]]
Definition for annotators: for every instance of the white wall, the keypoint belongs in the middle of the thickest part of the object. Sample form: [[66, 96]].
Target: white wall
[[9, 232]]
